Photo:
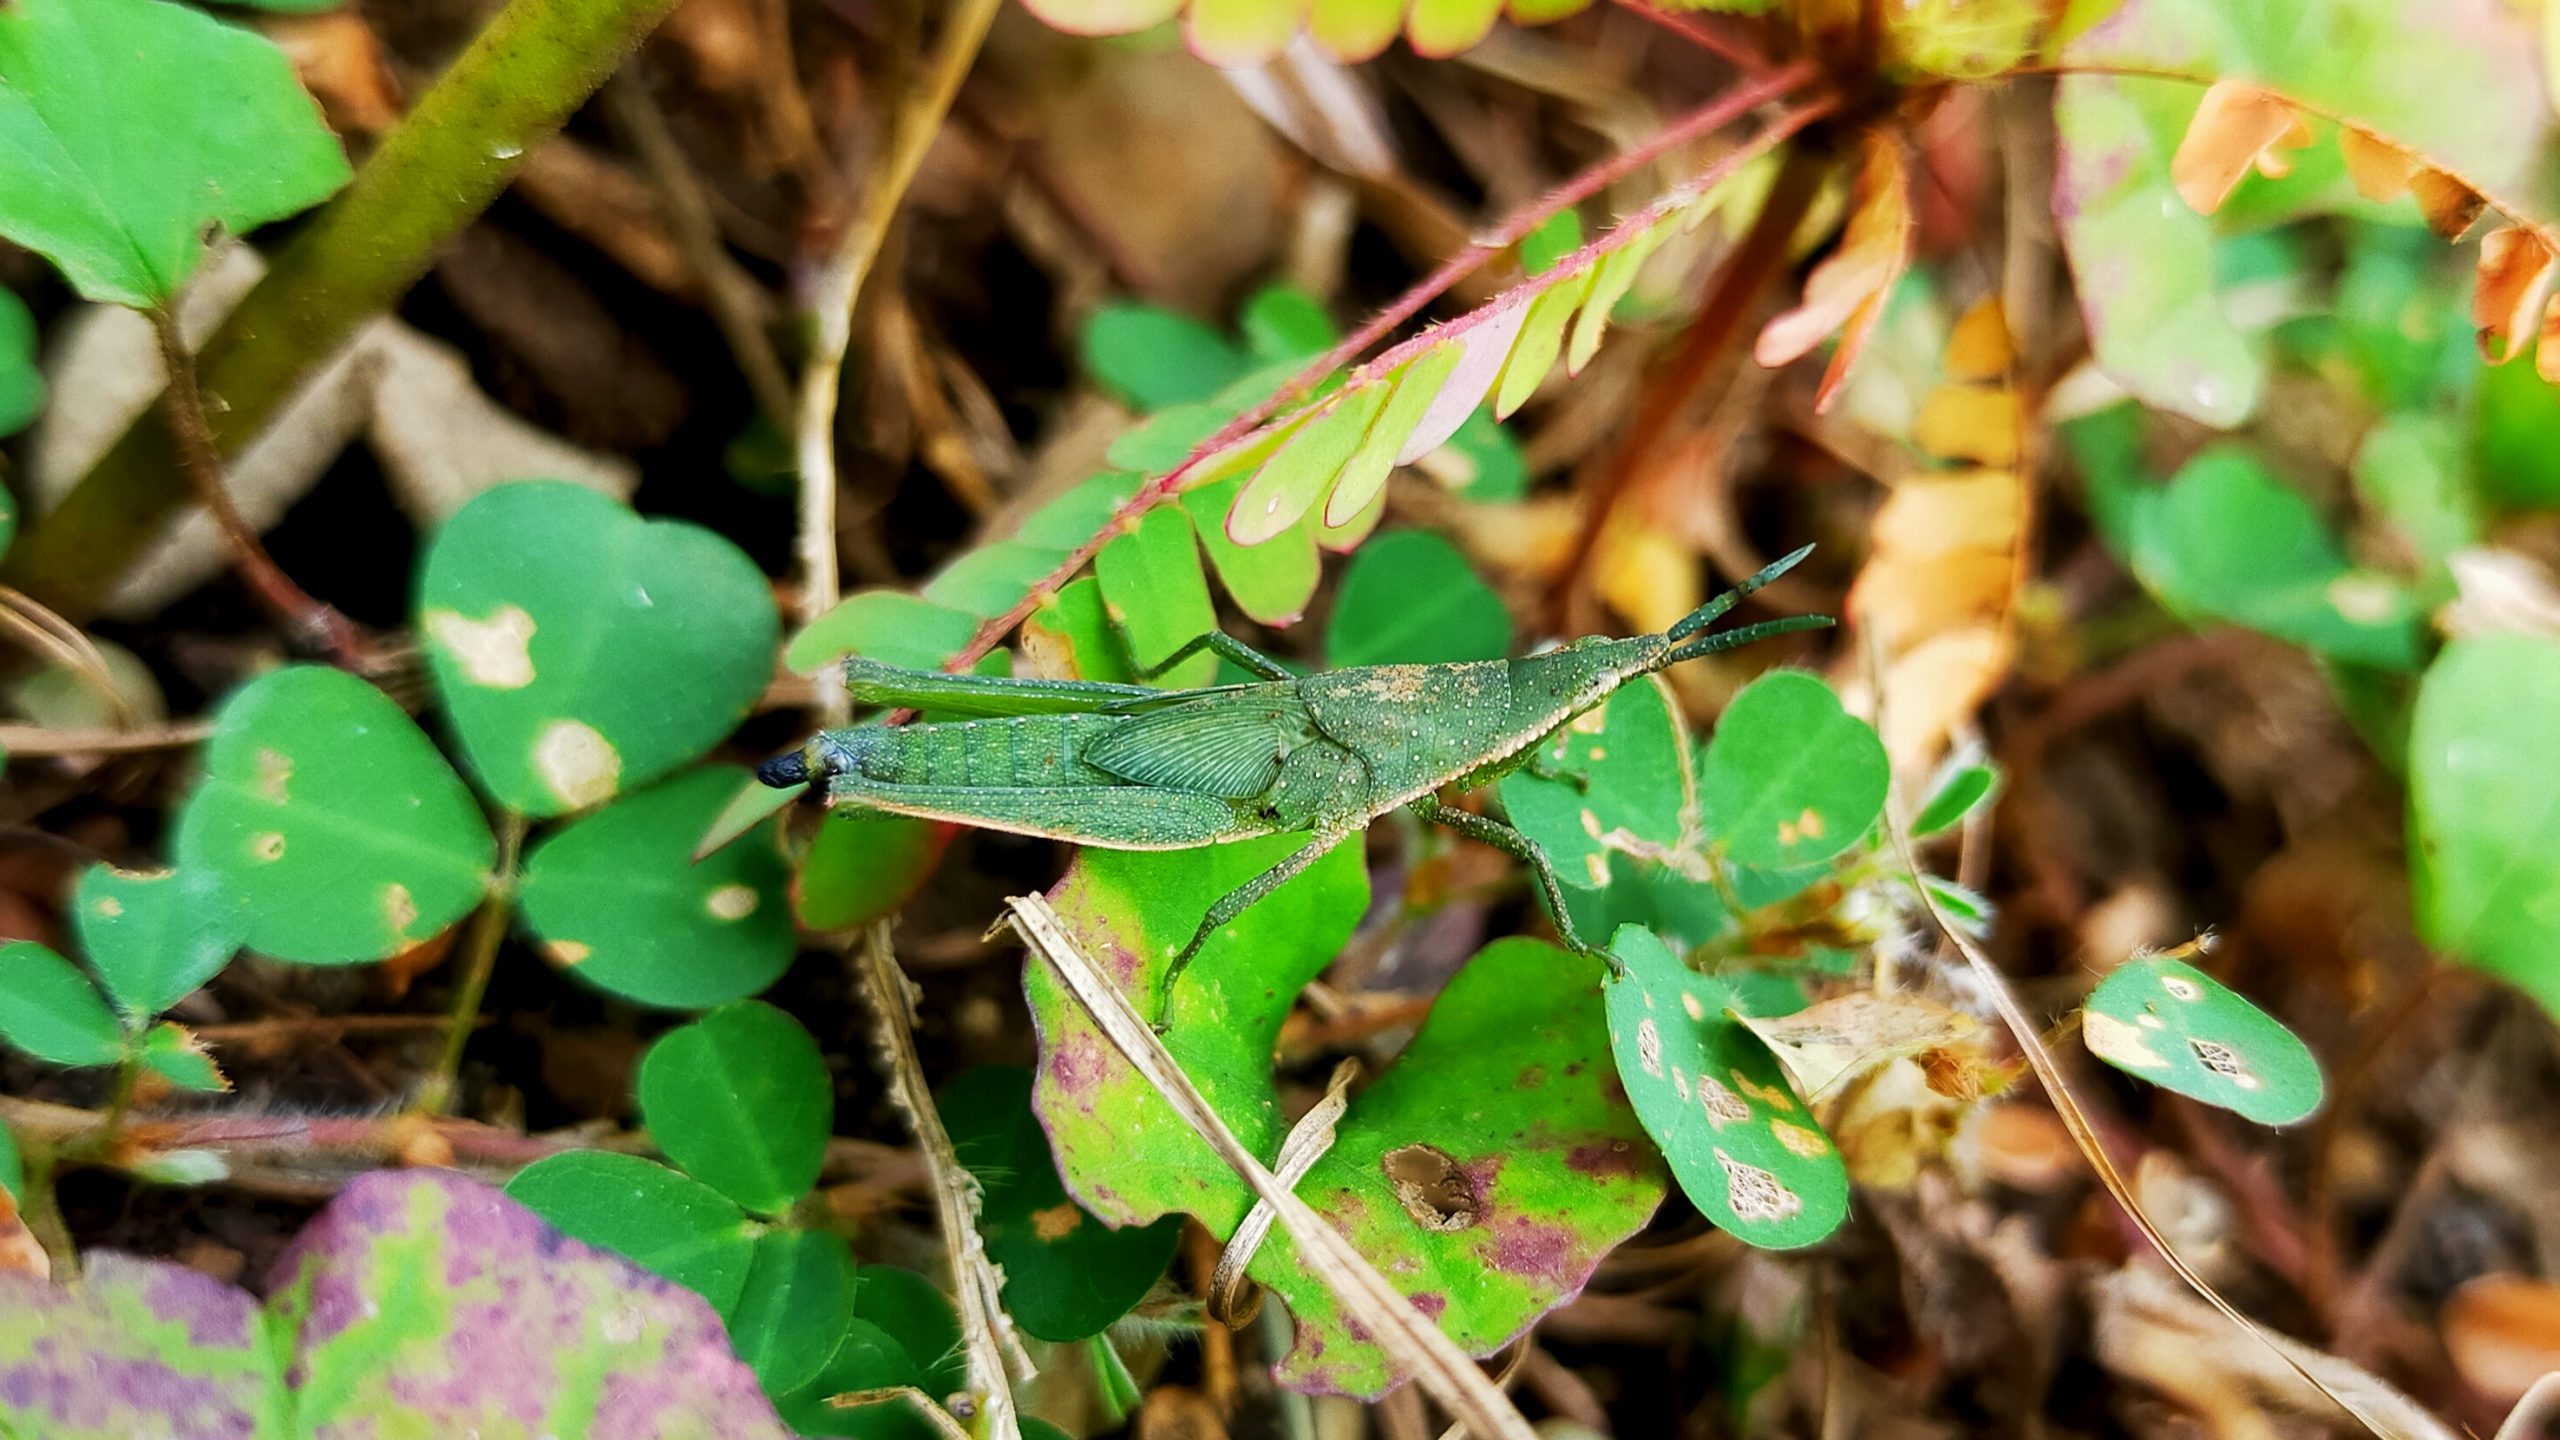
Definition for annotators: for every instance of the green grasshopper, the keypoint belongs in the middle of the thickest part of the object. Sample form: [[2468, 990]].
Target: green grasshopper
[[1127, 767]]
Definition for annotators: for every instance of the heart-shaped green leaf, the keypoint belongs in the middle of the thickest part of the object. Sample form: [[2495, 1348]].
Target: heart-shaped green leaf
[[154, 937], [2172, 1024], [1790, 778], [668, 1224], [51, 1011], [740, 1099], [862, 867], [1743, 1144], [2484, 808], [327, 814], [129, 127], [619, 900], [582, 651], [21, 383], [1485, 1174], [1066, 1274], [1611, 797], [790, 1315], [1409, 598]]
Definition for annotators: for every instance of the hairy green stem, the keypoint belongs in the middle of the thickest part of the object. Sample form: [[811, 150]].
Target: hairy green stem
[[519, 80], [479, 962]]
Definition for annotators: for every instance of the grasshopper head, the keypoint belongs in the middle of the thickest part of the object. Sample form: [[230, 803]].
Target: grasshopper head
[[786, 770]]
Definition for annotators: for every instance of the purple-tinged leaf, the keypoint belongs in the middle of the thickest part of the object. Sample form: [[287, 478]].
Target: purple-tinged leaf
[[1483, 349], [418, 1302]]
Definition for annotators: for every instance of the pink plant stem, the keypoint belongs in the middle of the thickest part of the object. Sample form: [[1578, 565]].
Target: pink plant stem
[[1713, 33], [1702, 121]]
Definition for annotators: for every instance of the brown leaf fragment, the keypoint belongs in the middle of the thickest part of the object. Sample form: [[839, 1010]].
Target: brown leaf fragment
[[2502, 1333], [1848, 290], [2511, 290], [2381, 170], [19, 1252], [2449, 205], [2546, 355], [2236, 128]]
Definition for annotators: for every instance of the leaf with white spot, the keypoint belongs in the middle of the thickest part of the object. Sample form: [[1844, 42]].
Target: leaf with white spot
[[330, 819], [1741, 1142], [1790, 778], [582, 651], [2172, 1024], [618, 900], [154, 937]]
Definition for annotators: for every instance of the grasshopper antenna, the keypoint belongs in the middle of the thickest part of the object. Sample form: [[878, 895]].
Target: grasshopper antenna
[[1707, 614], [1748, 634]]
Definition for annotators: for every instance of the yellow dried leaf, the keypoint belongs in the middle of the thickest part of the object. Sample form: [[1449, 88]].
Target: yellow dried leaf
[[1937, 687], [2237, 127], [1939, 514], [2546, 355], [1646, 575], [1979, 348], [1963, 422], [2510, 291], [1906, 599], [2381, 170]]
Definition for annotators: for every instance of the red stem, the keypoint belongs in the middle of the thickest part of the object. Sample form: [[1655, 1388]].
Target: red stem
[[1697, 123], [1713, 33], [1754, 262]]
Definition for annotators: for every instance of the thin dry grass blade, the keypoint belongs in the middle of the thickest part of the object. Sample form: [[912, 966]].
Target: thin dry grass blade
[[1415, 1344]]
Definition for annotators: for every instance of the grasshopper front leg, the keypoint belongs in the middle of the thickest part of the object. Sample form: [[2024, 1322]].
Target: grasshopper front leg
[[1220, 643], [1523, 849], [1234, 903]]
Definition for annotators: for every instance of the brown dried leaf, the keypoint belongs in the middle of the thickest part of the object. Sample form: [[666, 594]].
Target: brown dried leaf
[[2449, 205], [2502, 1333], [1848, 290], [1830, 1042], [2237, 126], [2511, 290]]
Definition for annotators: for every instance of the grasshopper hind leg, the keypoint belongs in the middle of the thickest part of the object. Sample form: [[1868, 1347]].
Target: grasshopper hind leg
[[1234, 903]]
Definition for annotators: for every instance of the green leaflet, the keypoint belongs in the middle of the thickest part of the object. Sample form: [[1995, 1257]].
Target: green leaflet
[[1541, 337], [1297, 474]]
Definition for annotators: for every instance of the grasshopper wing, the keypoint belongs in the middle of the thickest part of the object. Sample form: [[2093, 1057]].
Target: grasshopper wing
[[1230, 745]]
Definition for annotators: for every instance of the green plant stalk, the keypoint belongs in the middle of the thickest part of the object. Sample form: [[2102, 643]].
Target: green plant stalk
[[479, 961], [516, 84]]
